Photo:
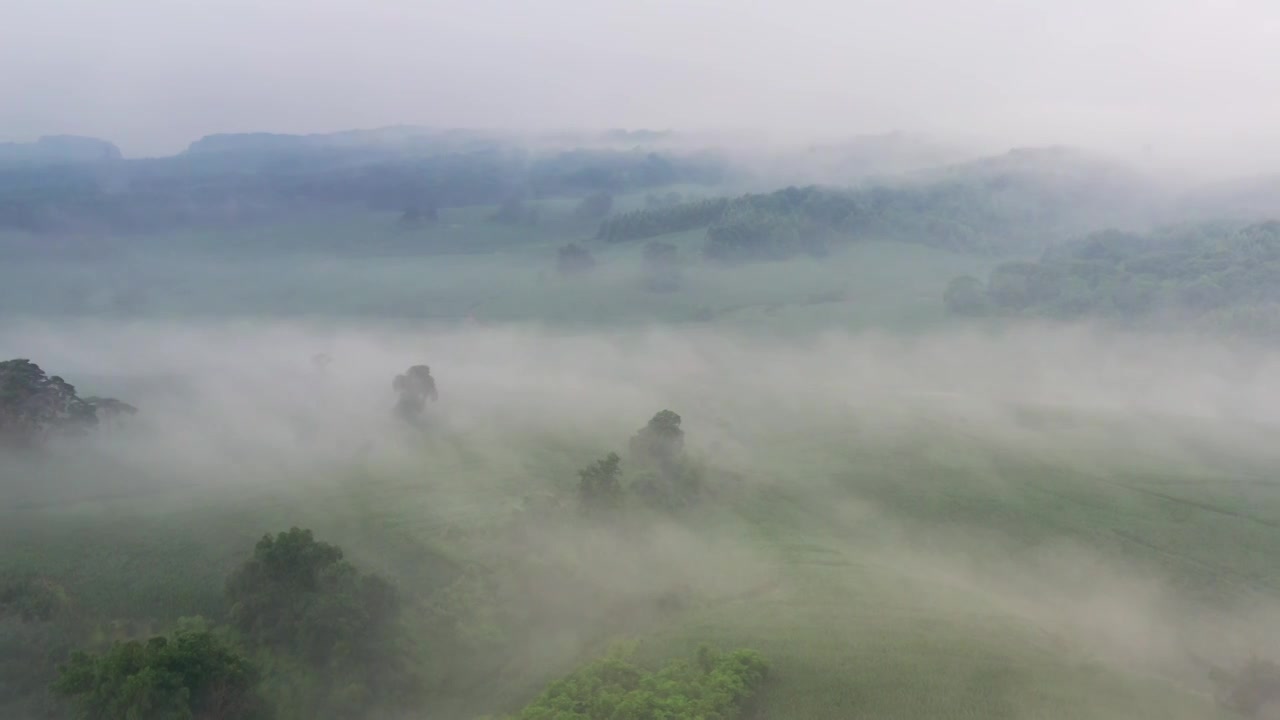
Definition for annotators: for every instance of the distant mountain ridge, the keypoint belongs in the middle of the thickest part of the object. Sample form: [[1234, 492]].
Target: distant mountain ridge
[[52, 149]]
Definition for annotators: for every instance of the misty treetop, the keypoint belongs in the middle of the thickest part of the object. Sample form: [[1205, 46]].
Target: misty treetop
[[300, 595], [662, 476], [415, 388], [35, 405]]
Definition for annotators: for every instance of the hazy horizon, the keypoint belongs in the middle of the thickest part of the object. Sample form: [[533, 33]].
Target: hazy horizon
[[1178, 84]]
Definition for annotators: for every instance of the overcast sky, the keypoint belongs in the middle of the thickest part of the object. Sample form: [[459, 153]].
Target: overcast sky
[[152, 75]]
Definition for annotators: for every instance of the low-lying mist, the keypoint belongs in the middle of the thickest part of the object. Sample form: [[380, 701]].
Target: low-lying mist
[[863, 434]]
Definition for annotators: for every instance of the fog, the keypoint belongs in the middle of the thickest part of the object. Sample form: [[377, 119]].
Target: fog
[[230, 408], [1188, 82]]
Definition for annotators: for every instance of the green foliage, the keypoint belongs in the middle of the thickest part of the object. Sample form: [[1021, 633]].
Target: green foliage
[[39, 628], [300, 595], [748, 232], [332, 631], [600, 485], [665, 478], [33, 404], [660, 441], [190, 675], [252, 179], [1210, 273], [30, 597], [655, 221], [712, 686]]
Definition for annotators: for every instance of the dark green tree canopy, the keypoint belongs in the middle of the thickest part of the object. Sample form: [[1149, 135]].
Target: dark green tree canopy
[[711, 686], [34, 405], [300, 595], [190, 675]]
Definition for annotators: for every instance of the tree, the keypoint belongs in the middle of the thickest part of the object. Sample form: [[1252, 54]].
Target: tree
[[333, 631], [415, 387], [33, 404], [664, 478], [106, 408], [193, 674], [966, 296], [600, 485], [661, 440], [573, 259]]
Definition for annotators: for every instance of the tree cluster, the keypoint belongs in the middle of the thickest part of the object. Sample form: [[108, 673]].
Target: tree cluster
[[663, 476], [1210, 273], [710, 686], [415, 388], [35, 405], [191, 674], [661, 220], [238, 180], [305, 627]]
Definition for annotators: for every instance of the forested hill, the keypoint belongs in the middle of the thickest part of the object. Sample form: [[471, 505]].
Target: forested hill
[[237, 180], [1215, 275], [1019, 201]]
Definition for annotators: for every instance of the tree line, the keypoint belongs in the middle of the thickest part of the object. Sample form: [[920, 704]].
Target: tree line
[[35, 406], [241, 185], [963, 214], [1218, 275]]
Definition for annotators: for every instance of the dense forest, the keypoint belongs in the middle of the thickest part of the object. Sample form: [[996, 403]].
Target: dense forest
[[1000, 205], [1218, 275]]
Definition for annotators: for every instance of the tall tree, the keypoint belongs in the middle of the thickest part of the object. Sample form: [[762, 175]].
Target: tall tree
[[415, 387], [33, 404]]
